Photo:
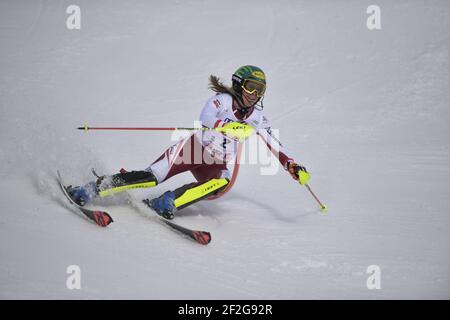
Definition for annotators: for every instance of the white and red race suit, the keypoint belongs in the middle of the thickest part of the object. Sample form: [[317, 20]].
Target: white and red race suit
[[206, 153]]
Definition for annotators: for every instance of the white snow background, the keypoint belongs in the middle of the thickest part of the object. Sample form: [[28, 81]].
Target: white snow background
[[366, 111]]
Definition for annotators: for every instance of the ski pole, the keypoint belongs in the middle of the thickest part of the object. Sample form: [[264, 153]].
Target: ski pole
[[86, 128], [238, 131], [323, 207]]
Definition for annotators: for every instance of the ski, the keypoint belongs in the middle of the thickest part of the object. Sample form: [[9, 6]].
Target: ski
[[201, 237], [101, 218]]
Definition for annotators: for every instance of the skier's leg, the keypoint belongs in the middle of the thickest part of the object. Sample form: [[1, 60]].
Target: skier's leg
[[214, 179], [160, 170], [126, 180], [205, 172], [178, 158], [109, 185], [171, 201]]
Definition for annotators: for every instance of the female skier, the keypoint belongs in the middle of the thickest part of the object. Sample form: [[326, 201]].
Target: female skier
[[229, 117]]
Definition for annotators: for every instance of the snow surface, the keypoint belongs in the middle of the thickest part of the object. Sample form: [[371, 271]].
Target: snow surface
[[366, 112]]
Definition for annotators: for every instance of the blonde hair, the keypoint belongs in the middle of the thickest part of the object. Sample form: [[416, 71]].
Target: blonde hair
[[217, 86]]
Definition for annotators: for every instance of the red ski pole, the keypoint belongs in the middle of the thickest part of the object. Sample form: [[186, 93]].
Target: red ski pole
[[239, 131], [86, 128]]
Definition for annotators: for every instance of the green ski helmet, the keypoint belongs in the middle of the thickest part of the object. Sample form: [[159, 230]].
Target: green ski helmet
[[251, 79]]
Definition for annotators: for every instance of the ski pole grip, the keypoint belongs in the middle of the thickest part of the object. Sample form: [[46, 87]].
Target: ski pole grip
[[85, 128]]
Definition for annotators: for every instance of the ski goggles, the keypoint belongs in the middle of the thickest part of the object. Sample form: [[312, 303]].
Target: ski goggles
[[251, 86]]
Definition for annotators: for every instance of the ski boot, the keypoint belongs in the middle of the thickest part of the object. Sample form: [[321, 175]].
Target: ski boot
[[163, 205], [83, 194]]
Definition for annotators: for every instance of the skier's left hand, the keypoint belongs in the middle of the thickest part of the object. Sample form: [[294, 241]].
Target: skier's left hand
[[298, 172]]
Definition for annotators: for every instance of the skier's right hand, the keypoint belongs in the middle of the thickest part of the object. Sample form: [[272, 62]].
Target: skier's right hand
[[237, 130]]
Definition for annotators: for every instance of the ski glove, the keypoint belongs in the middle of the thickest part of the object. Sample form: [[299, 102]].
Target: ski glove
[[237, 130], [298, 172]]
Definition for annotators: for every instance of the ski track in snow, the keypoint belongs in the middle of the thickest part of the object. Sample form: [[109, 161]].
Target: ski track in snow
[[365, 111]]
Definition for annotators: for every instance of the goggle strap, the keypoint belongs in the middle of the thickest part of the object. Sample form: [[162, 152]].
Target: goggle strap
[[238, 79]]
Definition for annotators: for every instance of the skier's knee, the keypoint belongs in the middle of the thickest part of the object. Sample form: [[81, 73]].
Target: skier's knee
[[225, 174]]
